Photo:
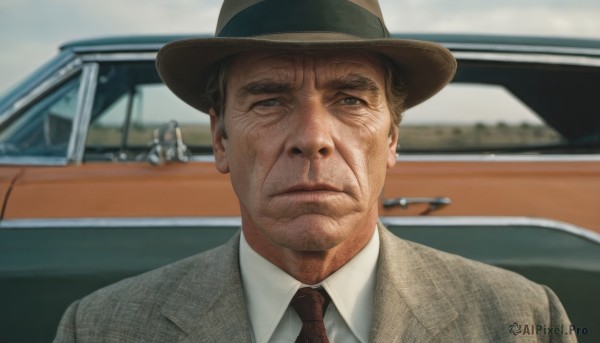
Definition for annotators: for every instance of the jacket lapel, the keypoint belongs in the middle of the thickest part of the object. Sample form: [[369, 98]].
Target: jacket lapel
[[409, 305], [209, 301]]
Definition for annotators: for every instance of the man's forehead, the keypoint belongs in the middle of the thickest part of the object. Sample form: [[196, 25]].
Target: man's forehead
[[282, 64]]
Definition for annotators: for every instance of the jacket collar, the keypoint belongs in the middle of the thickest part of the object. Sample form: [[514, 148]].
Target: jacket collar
[[220, 307], [409, 305]]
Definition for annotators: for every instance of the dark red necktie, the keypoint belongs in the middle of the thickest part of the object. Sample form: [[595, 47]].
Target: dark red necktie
[[310, 304]]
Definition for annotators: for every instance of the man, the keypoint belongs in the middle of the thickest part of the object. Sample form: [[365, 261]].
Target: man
[[305, 99]]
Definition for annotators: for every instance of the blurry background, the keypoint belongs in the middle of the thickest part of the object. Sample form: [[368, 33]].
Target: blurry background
[[32, 30]]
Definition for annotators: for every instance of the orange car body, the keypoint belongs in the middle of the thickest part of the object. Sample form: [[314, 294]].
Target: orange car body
[[562, 191]]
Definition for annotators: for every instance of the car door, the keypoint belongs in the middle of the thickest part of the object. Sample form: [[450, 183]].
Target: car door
[[99, 125], [513, 135]]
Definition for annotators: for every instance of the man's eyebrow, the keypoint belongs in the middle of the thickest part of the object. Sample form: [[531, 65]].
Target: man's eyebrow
[[264, 87], [355, 82]]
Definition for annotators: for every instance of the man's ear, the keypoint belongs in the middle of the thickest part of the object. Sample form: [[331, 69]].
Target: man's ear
[[392, 146], [219, 142]]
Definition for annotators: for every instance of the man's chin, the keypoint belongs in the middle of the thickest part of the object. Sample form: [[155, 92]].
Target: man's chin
[[310, 233], [316, 212]]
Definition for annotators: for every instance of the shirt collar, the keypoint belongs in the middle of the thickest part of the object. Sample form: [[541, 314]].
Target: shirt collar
[[268, 290], [352, 289]]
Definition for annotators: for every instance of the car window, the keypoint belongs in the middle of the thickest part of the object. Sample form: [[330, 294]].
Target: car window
[[489, 108], [130, 103], [496, 107], [43, 128], [467, 117]]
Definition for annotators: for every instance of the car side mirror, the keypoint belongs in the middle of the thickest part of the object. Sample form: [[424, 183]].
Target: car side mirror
[[167, 145]]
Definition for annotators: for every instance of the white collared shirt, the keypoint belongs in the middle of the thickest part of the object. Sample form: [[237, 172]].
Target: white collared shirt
[[268, 291]]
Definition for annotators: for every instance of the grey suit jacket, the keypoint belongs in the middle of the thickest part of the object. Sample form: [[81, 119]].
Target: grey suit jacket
[[422, 295]]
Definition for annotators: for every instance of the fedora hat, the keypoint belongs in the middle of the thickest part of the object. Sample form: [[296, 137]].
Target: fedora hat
[[247, 25]]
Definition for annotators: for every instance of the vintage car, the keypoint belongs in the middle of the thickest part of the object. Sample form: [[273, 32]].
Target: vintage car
[[517, 134], [105, 174]]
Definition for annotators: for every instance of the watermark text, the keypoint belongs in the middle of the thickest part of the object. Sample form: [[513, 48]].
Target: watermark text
[[540, 330]]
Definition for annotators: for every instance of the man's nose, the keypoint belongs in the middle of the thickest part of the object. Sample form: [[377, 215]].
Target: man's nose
[[310, 132]]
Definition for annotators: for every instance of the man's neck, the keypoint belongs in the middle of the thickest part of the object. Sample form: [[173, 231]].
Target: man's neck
[[311, 267]]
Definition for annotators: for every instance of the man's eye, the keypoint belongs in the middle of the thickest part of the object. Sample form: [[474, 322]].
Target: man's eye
[[351, 101], [268, 103]]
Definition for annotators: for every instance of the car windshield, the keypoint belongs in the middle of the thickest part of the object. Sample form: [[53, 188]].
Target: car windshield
[[44, 128]]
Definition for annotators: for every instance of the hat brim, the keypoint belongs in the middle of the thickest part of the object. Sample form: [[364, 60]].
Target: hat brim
[[184, 65]]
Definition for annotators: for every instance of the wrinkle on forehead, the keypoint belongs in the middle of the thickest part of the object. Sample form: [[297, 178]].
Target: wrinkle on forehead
[[254, 67], [292, 66]]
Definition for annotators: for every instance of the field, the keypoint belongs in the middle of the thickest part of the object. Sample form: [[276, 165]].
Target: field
[[412, 137], [450, 137]]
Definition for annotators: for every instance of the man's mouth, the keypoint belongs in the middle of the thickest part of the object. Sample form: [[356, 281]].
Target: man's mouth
[[307, 187]]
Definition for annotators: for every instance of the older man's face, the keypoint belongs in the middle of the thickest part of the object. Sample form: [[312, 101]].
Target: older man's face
[[308, 144]]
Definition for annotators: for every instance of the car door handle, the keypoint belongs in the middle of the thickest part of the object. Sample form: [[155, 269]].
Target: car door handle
[[405, 202]]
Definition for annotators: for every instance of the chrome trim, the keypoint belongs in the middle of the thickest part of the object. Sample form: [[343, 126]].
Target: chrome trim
[[120, 222], [399, 157], [62, 74], [25, 160], [453, 46], [539, 58], [466, 158], [117, 47], [81, 121], [499, 222], [112, 57], [544, 49], [130, 51], [147, 222], [496, 158], [433, 204], [33, 160], [202, 158], [534, 58]]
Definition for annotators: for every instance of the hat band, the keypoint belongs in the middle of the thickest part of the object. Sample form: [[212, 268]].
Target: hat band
[[287, 16]]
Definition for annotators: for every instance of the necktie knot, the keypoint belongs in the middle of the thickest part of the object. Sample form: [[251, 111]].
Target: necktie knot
[[310, 305]]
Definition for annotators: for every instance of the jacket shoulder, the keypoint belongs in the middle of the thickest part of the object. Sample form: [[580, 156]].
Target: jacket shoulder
[[133, 307], [157, 284], [470, 274], [458, 299]]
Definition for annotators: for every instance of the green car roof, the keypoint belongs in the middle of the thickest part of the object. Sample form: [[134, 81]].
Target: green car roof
[[137, 42]]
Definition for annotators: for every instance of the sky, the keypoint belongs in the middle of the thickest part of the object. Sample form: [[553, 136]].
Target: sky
[[32, 30]]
